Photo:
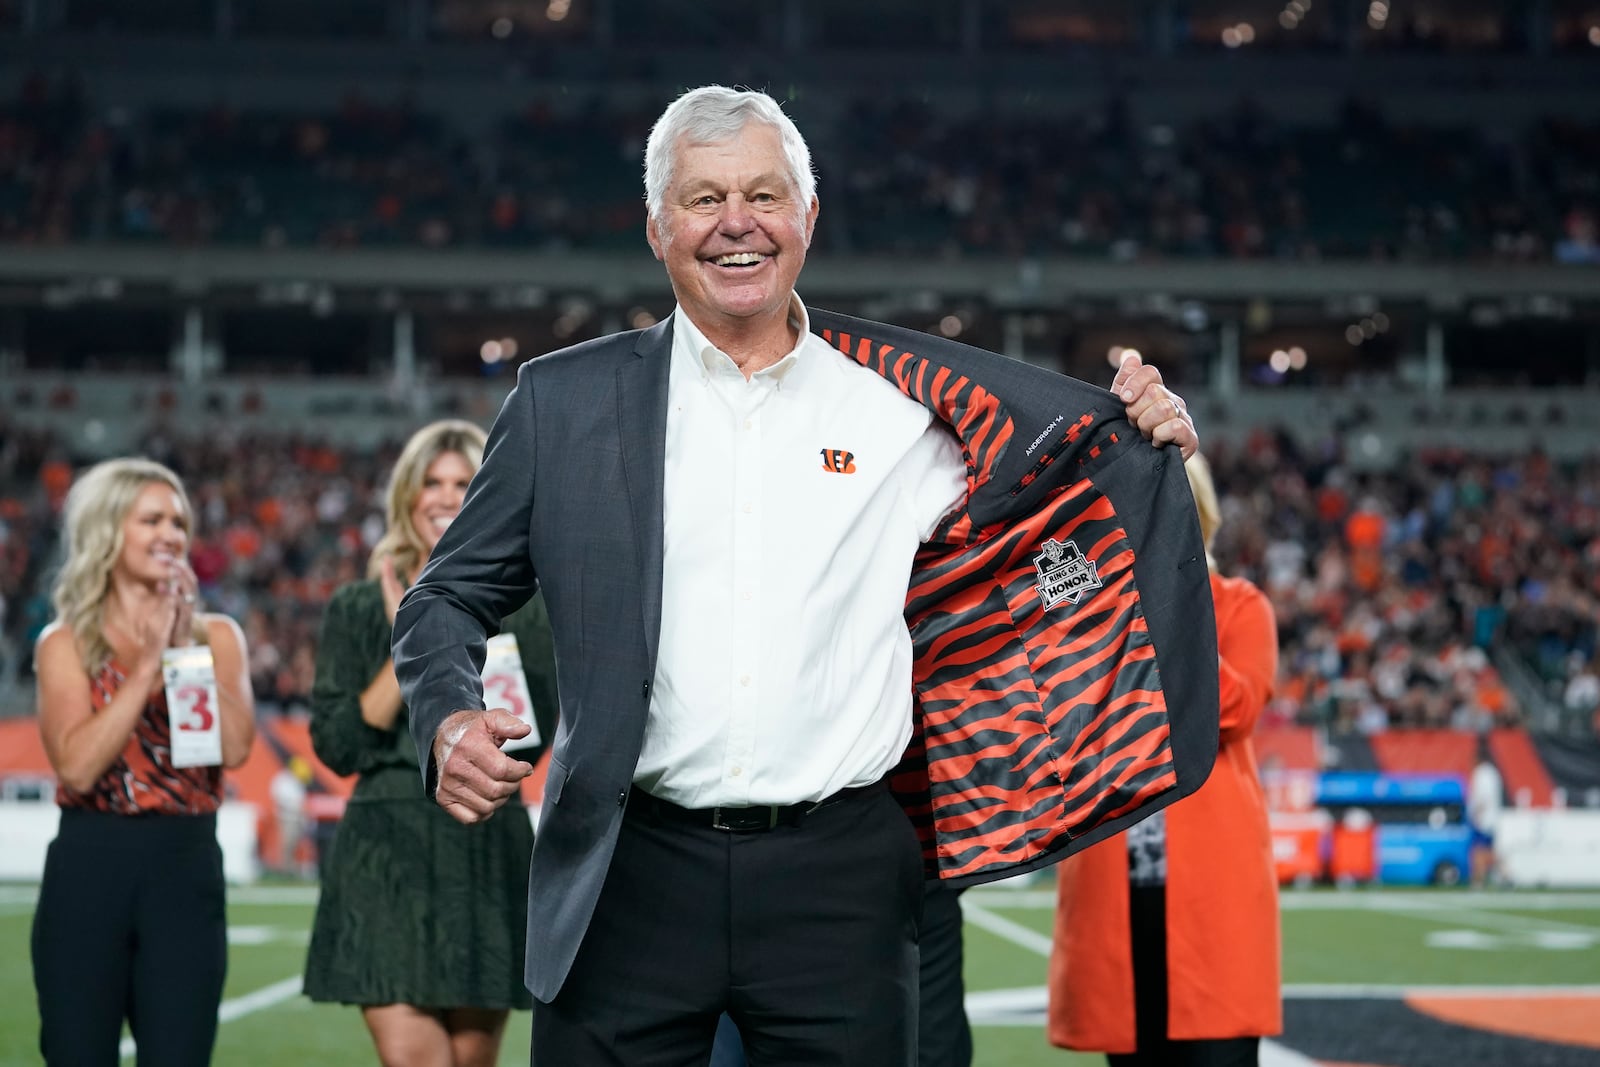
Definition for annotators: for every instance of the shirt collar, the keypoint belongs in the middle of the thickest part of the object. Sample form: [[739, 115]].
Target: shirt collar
[[709, 361]]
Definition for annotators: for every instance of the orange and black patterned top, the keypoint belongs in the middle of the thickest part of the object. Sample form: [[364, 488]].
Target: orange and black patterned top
[[143, 780]]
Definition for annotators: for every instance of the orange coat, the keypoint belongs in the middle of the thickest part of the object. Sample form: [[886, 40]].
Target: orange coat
[[1222, 895]]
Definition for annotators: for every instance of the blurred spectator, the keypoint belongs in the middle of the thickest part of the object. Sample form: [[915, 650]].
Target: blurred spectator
[[1240, 184], [1477, 555], [1485, 799], [288, 790]]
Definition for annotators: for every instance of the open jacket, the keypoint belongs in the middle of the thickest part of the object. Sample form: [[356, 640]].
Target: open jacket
[[1061, 619]]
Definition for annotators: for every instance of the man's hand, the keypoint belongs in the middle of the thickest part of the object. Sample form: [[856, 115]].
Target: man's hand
[[1160, 414], [475, 777]]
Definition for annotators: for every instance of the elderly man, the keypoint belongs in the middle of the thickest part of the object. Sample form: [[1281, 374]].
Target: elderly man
[[788, 557]]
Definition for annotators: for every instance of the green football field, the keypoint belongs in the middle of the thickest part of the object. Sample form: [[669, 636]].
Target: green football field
[[1533, 952]]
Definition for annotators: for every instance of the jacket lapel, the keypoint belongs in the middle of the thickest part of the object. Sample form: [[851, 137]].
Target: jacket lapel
[[642, 429]]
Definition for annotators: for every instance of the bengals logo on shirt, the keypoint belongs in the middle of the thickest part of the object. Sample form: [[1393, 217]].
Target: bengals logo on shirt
[[838, 461]]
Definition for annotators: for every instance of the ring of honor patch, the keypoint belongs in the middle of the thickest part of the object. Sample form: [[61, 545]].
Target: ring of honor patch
[[1065, 575]]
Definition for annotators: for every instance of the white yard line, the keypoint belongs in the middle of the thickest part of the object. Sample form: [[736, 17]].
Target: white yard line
[[239, 1007], [1449, 911], [19, 896], [1380, 899], [1276, 1055], [1026, 1007], [273, 894], [1010, 898], [1357, 991], [1000, 926], [1356, 900], [1272, 1054]]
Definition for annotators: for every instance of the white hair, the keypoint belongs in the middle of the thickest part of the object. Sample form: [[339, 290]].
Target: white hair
[[712, 114]]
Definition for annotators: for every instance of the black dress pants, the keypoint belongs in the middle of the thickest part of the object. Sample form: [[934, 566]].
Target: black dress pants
[[805, 935], [944, 1037], [130, 925]]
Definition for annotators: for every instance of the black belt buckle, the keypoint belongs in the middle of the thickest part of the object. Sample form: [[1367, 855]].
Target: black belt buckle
[[744, 820]]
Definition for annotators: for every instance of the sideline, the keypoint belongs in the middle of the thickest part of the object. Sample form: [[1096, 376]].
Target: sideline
[[997, 895]]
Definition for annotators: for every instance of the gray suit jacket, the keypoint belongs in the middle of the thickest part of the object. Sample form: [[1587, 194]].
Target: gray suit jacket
[[569, 500], [572, 478]]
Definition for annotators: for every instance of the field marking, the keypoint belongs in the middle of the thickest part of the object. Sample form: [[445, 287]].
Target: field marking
[[1000, 926], [18, 896], [1378, 991], [273, 894], [1357, 900], [239, 1007], [996, 1003], [997, 895], [976, 908], [991, 1007], [1449, 911], [1028, 1006]]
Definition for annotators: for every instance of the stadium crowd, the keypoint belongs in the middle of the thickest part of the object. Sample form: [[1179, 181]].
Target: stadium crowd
[[1388, 587], [1105, 184]]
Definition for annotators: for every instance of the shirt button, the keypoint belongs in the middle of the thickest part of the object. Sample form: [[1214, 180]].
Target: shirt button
[[737, 771], [744, 679], [748, 508], [745, 595], [749, 423]]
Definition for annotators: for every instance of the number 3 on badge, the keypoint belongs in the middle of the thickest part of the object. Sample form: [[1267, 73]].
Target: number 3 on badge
[[506, 686], [191, 684]]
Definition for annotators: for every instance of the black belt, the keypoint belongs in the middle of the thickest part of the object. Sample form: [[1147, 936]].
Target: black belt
[[737, 820]]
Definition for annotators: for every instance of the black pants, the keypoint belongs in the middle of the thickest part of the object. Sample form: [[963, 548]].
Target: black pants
[[804, 935], [1148, 918], [130, 925], [944, 1037]]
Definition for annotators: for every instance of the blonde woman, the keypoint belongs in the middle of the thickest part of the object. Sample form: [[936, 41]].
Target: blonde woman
[[130, 921], [422, 920]]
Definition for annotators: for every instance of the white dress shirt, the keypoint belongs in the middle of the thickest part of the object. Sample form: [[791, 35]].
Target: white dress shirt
[[794, 505]]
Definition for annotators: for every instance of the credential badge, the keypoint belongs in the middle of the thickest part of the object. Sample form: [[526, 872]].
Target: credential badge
[[1064, 574]]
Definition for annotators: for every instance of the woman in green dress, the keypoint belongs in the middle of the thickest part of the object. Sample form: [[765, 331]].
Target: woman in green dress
[[422, 920]]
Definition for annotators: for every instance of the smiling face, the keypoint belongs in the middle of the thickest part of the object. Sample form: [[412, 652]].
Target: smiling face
[[444, 487], [155, 535], [733, 234]]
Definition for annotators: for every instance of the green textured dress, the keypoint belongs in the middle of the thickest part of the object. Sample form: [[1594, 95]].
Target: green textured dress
[[416, 908]]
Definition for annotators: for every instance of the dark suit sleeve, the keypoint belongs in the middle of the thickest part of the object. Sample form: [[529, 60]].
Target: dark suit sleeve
[[479, 573]]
